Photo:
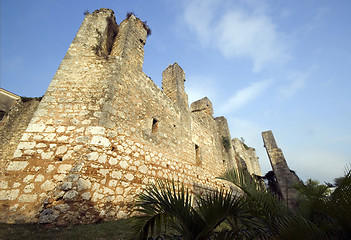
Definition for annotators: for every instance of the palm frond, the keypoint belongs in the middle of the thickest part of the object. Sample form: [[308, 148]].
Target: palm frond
[[262, 203], [295, 227], [161, 205], [338, 205]]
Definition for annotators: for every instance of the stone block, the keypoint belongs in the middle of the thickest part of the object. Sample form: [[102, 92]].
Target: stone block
[[26, 145], [61, 150], [48, 216], [17, 165], [100, 141], [48, 185], [96, 130], [83, 184], [9, 194], [27, 198], [36, 128], [64, 168], [70, 195]]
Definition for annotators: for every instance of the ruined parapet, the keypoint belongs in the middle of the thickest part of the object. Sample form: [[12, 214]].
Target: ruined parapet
[[202, 105], [224, 138], [173, 79], [209, 135], [201, 113], [285, 177], [247, 157], [130, 41], [95, 35]]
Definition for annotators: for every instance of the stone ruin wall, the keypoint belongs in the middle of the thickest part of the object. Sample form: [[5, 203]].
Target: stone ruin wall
[[12, 127], [104, 130], [246, 157]]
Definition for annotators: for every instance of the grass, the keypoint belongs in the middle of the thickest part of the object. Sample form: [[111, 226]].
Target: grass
[[119, 229]]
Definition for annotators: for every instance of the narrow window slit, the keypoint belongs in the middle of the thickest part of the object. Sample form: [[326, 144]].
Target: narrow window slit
[[154, 125], [197, 154]]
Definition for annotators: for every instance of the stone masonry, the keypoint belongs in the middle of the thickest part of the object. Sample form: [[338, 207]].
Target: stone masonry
[[284, 176], [104, 130], [246, 157]]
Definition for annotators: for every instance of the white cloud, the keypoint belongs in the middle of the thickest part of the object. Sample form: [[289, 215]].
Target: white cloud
[[198, 87], [243, 96], [198, 16], [295, 81], [238, 32]]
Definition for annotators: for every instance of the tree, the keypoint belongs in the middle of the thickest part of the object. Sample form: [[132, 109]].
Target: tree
[[168, 207], [311, 195]]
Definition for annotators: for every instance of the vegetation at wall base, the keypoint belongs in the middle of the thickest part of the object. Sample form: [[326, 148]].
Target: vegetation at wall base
[[256, 214]]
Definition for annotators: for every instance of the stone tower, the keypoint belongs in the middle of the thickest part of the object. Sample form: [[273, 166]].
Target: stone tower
[[284, 176], [104, 130]]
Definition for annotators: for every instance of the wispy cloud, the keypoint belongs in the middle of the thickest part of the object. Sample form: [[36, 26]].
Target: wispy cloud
[[243, 96], [198, 16], [199, 87], [238, 32], [295, 81]]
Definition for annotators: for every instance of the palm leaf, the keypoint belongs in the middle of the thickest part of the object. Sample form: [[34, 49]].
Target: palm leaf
[[296, 227]]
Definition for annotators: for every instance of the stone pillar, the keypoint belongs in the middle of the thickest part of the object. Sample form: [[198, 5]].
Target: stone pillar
[[285, 177]]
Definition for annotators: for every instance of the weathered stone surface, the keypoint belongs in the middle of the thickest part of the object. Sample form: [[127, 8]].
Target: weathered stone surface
[[48, 216], [96, 130], [48, 185], [86, 196], [66, 186], [123, 164], [29, 188], [47, 155], [26, 145], [116, 174], [36, 128], [3, 184], [70, 195], [83, 184], [61, 150], [9, 194], [92, 156], [100, 141], [27, 198], [129, 176], [17, 165], [62, 207]]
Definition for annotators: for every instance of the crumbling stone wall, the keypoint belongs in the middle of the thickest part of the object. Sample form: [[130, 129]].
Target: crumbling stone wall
[[246, 157], [12, 127], [104, 130]]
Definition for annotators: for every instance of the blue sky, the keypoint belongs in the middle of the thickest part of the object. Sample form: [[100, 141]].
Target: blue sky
[[265, 64]]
